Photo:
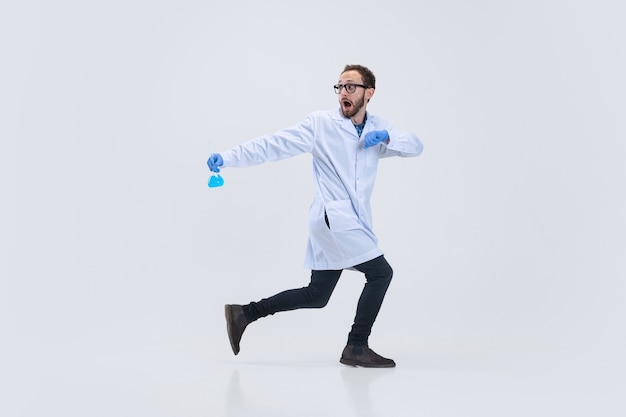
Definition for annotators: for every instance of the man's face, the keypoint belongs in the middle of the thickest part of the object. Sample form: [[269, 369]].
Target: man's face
[[353, 103]]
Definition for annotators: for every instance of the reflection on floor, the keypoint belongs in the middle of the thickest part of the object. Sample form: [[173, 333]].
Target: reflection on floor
[[207, 380]]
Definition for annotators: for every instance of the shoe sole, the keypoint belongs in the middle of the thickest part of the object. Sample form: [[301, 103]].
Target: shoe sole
[[356, 364]]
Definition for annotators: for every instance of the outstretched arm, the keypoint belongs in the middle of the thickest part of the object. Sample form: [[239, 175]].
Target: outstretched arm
[[269, 148]]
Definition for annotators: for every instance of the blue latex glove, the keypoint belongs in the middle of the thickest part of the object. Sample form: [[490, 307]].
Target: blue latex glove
[[374, 138], [215, 162]]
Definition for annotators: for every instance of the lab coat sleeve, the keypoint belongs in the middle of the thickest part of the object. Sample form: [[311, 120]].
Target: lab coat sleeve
[[401, 143], [274, 147]]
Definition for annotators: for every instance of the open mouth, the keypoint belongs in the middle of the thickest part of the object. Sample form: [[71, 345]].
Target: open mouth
[[346, 104]]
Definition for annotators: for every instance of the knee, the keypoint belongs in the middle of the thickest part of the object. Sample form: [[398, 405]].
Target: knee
[[388, 276], [388, 272], [318, 299], [319, 304], [383, 275]]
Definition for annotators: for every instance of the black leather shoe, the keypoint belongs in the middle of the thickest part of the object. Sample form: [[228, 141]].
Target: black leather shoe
[[365, 357], [236, 323]]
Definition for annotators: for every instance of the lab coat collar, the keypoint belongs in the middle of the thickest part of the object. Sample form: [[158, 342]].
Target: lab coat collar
[[346, 123]]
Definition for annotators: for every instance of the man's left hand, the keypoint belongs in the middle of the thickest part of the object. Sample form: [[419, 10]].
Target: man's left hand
[[374, 138]]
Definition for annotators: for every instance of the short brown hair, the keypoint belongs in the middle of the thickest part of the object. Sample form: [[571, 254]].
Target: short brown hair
[[367, 75]]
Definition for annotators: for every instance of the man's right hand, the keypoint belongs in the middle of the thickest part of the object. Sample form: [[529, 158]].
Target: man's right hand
[[215, 162]]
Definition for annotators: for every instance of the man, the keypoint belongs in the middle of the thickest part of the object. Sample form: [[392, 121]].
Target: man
[[346, 145]]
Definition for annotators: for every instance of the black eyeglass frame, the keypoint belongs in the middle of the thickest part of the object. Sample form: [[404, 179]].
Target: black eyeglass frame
[[348, 86]]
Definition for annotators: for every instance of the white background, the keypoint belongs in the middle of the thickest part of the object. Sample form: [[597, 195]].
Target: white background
[[507, 236]]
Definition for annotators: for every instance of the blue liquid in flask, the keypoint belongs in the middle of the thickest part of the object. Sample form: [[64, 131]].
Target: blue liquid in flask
[[216, 180]]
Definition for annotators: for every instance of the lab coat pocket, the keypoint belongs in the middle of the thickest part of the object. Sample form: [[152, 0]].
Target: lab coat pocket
[[341, 216]]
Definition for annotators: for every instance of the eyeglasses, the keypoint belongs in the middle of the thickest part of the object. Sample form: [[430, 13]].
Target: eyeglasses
[[350, 88]]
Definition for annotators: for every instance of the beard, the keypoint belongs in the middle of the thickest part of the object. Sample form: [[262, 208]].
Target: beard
[[353, 109]]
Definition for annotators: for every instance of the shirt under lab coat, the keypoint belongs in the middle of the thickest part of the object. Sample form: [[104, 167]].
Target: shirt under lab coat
[[340, 220]]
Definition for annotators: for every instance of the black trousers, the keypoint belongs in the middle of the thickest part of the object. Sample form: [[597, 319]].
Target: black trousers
[[378, 274]]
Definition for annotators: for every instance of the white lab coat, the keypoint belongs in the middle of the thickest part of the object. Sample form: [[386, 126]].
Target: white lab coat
[[344, 174]]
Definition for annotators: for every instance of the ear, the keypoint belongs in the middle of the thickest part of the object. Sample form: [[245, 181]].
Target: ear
[[369, 93]]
